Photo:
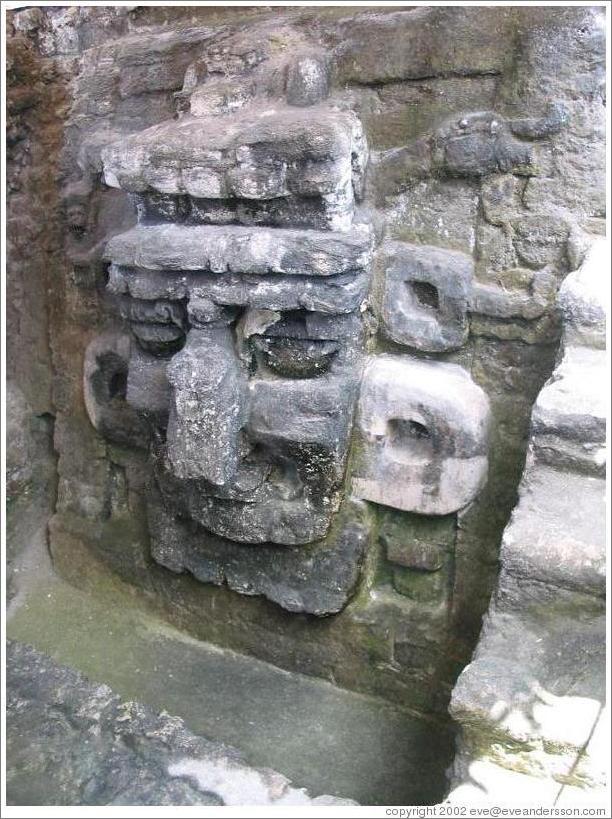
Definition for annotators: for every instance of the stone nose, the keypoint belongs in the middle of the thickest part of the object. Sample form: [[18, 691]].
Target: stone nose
[[208, 408]]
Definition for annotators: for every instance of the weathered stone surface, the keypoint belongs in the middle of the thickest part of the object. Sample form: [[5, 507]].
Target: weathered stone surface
[[437, 212], [105, 383], [319, 579], [538, 71], [400, 112], [425, 296], [567, 547], [259, 252], [569, 417], [275, 269], [333, 294], [208, 408], [480, 144], [274, 153], [416, 541], [307, 80], [424, 436], [412, 44], [531, 699], [541, 239], [282, 465], [73, 742], [531, 297], [584, 297], [148, 388]]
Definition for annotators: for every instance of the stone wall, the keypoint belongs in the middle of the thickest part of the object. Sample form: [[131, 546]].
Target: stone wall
[[531, 705], [299, 270]]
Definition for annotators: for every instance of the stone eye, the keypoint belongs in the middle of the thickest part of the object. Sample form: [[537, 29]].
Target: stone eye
[[425, 294], [296, 357]]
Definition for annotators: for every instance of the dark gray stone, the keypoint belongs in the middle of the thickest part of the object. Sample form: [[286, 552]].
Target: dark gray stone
[[73, 742], [480, 144], [317, 579], [425, 295], [105, 386], [175, 249], [208, 407]]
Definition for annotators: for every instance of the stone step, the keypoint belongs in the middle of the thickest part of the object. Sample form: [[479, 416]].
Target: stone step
[[75, 742], [321, 737], [557, 534], [569, 417]]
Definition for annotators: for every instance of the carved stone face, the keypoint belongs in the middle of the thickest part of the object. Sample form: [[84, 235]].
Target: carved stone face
[[250, 374], [259, 424], [242, 287]]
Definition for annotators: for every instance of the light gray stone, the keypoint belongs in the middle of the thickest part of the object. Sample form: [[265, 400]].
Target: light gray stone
[[424, 436], [584, 297], [557, 533], [270, 152], [307, 80], [569, 417]]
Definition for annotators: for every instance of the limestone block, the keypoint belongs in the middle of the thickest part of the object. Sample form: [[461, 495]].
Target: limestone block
[[282, 473], [105, 380], [434, 211], [158, 339], [541, 239], [219, 96], [416, 541], [151, 312], [525, 294], [584, 297], [257, 154], [480, 144], [425, 297], [569, 417], [309, 411], [531, 697], [307, 80], [424, 436], [148, 388], [231, 249], [557, 533], [332, 295]]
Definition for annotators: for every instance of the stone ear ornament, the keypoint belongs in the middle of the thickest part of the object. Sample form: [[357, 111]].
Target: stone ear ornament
[[423, 436]]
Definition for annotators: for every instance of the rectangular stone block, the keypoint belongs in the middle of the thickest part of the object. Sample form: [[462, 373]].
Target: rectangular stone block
[[231, 249], [208, 407]]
